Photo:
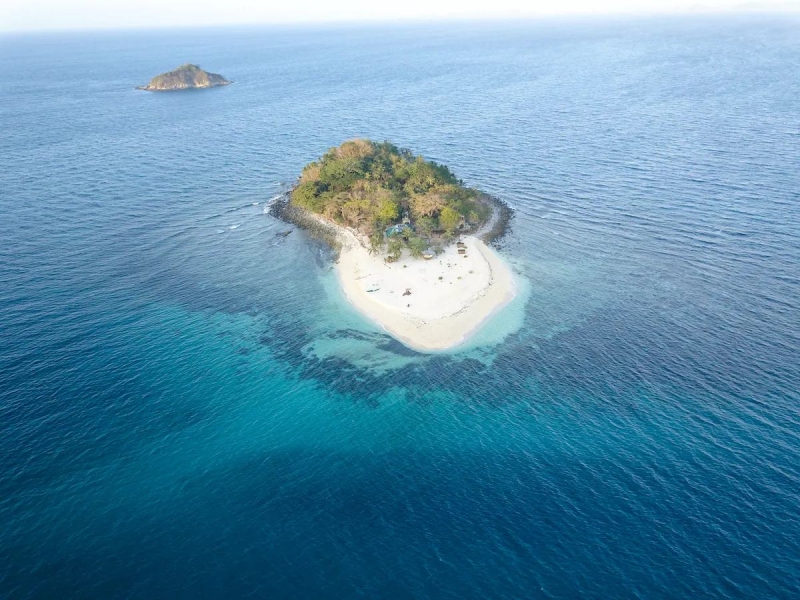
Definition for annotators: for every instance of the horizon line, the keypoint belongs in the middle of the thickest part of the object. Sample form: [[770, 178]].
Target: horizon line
[[427, 20]]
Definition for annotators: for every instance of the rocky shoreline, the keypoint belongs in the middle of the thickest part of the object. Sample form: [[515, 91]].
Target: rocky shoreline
[[317, 228], [500, 223]]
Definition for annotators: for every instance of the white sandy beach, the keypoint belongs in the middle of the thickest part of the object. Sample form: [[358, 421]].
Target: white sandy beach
[[452, 295]]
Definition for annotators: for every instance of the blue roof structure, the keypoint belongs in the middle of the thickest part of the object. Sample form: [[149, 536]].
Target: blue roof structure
[[398, 229]]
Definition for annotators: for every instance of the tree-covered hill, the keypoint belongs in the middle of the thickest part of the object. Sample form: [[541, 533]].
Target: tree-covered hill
[[185, 77], [370, 186]]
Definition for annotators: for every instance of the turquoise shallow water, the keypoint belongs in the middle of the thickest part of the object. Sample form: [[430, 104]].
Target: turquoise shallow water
[[189, 409]]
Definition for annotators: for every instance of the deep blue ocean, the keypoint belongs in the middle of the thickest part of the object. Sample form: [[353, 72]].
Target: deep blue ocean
[[189, 409]]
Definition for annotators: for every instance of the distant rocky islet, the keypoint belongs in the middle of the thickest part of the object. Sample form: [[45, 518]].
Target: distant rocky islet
[[185, 77]]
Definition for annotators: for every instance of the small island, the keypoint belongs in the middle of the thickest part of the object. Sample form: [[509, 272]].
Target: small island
[[411, 257], [185, 77]]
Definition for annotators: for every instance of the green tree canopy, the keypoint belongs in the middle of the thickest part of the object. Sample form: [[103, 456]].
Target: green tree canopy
[[449, 219], [369, 186]]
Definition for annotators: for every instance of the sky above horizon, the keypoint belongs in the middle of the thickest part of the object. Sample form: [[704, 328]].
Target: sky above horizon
[[33, 15]]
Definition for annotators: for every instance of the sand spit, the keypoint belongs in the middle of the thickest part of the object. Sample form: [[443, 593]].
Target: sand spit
[[427, 304]]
